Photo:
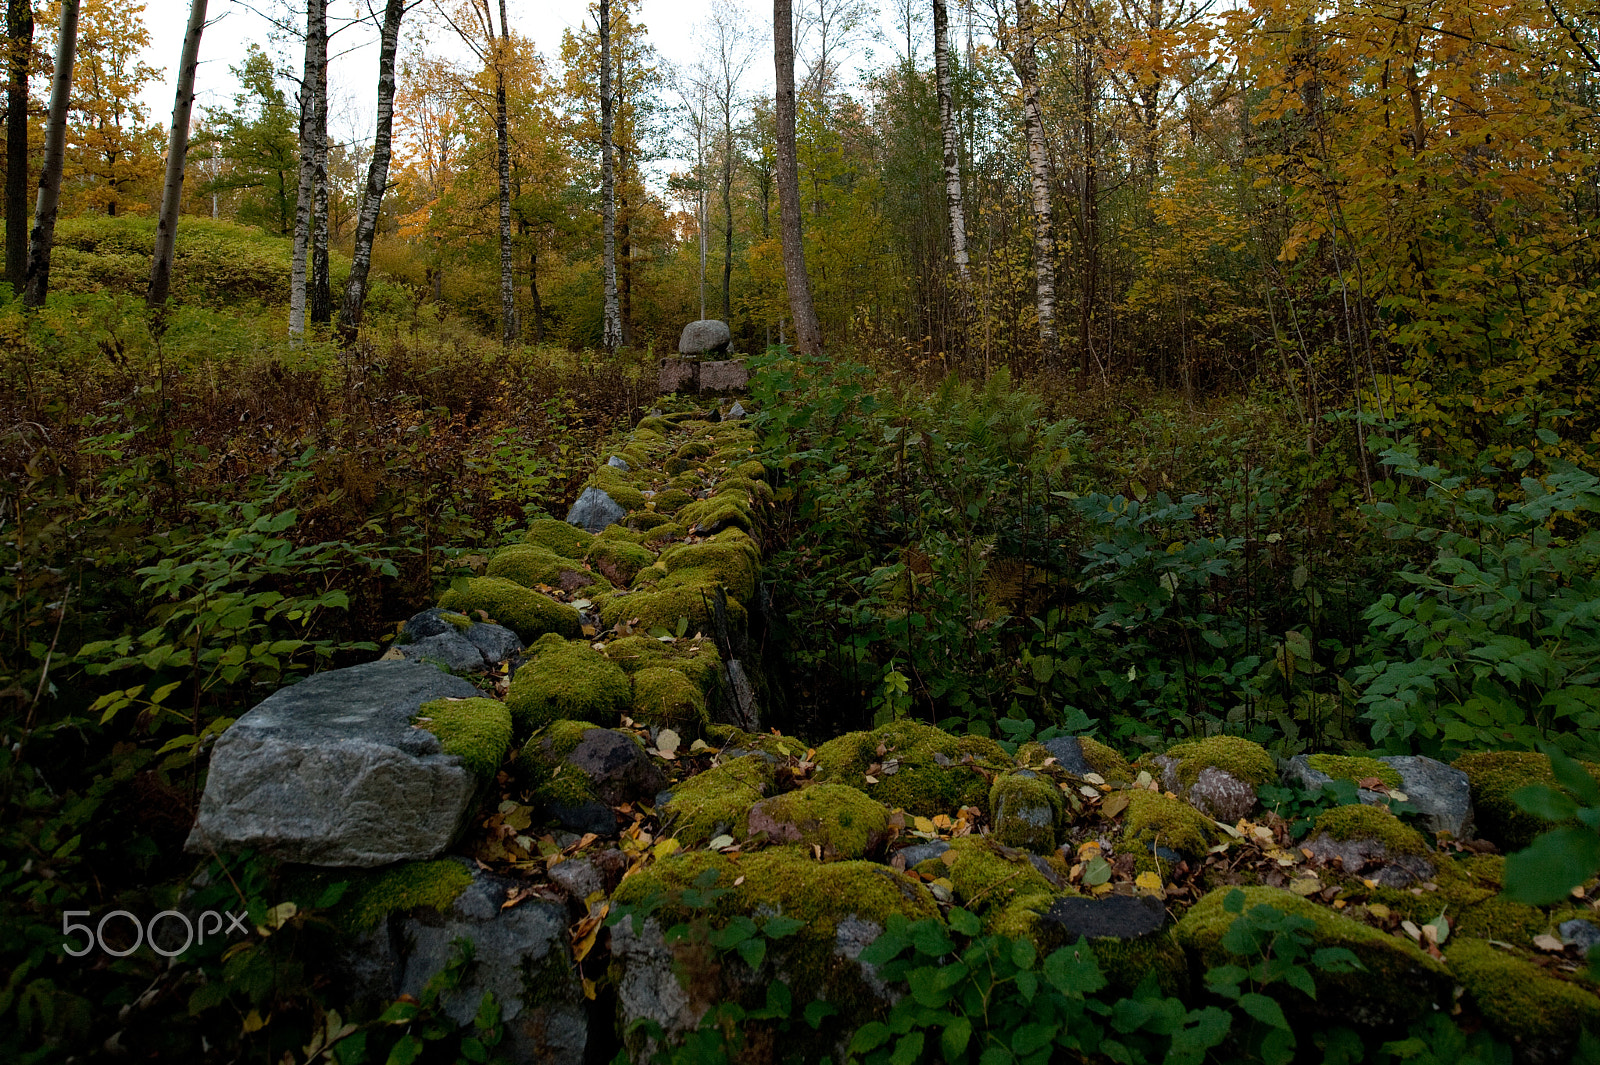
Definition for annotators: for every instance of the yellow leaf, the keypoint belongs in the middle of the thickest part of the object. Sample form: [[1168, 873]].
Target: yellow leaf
[[1148, 881], [924, 825], [666, 848]]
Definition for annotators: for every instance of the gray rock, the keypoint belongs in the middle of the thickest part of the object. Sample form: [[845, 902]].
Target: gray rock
[[591, 815], [617, 462], [595, 510], [1115, 916], [678, 375], [918, 853], [1438, 791], [617, 766], [451, 650], [648, 987], [435, 621], [729, 375], [735, 412], [748, 714], [1019, 819], [496, 642], [520, 955], [1584, 933], [578, 877], [708, 334], [331, 771], [1222, 796], [1068, 753], [1371, 860]]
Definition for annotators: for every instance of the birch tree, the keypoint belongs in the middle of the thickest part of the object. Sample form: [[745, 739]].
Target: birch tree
[[808, 333], [321, 295], [952, 141], [177, 156], [611, 335], [41, 241], [311, 75], [1025, 61], [731, 57], [355, 291]]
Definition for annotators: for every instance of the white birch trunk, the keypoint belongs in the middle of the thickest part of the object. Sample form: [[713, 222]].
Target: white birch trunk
[[952, 143], [316, 23], [355, 291], [177, 156], [1044, 244], [42, 239]]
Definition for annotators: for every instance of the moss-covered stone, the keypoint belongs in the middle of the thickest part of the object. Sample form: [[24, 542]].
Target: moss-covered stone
[[751, 469], [918, 784], [732, 738], [527, 613], [531, 565], [671, 501], [619, 560], [1352, 767], [1104, 760], [1371, 822], [574, 682], [663, 696], [1397, 983], [1233, 755], [648, 577], [568, 541], [717, 801], [661, 608], [647, 520], [1127, 963], [1026, 810], [840, 819], [1494, 777], [619, 486], [1155, 820], [662, 534], [719, 512], [373, 895], [1468, 890], [617, 532], [478, 731], [724, 563], [1522, 1002], [987, 879]]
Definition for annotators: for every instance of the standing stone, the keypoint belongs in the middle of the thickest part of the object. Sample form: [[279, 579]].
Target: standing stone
[[707, 334], [520, 954], [595, 510], [331, 771], [729, 375]]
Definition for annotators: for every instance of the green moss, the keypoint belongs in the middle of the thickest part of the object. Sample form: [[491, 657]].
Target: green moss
[[840, 819], [1494, 776], [478, 731], [697, 660], [1103, 760], [648, 577], [717, 801], [758, 491], [696, 449], [1398, 982], [751, 469], [663, 696], [688, 481], [719, 512], [918, 784], [647, 520], [619, 486], [986, 879], [1154, 820], [1127, 962], [1469, 891], [1026, 810], [528, 613], [983, 749], [1347, 767], [663, 533], [531, 565], [617, 532], [1234, 755], [733, 738], [727, 564], [663, 607], [568, 541], [1520, 1001], [671, 501], [373, 896], [575, 682], [1019, 919], [618, 560], [1372, 822]]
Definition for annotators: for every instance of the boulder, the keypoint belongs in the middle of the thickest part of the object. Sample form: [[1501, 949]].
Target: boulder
[[839, 819], [1116, 916], [617, 462], [449, 650], [520, 955], [1068, 753], [708, 334], [595, 510], [1217, 775], [1441, 793], [734, 413], [451, 639], [729, 375], [1026, 809], [331, 771]]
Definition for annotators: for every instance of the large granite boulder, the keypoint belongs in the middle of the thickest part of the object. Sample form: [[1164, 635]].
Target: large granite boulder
[[707, 334], [331, 771], [454, 641]]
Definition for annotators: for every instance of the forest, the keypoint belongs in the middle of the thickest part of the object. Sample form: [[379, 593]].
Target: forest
[[1144, 606]]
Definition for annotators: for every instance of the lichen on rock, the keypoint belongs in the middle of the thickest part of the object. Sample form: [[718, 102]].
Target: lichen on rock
[[841, 820], [1026, 810], [478, 731], [1355, 768], [923, 770], [527, 613]]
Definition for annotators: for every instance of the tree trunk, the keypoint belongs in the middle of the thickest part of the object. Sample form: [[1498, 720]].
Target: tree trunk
[[808, 333], [19, 32], [36, 280], [611, 330], [952, 142], [321, 294], [316, 30], [502, 136], [355, 291], [533, 291], [727, 205], [1044, 243], [1088, 290], [621, 142], [177, 156]]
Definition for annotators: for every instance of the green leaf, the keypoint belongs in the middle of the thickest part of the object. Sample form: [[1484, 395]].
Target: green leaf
[[928, 936], [1024, 953], [953, 1041], [780, 926], [1572, 776], [1557, 862], [908, 1049], [818, 1011], [406, 1051], [1032, 1037], [1263, 1009], [753, 951], [1074, 970], [869, 1036], [965, 922]]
